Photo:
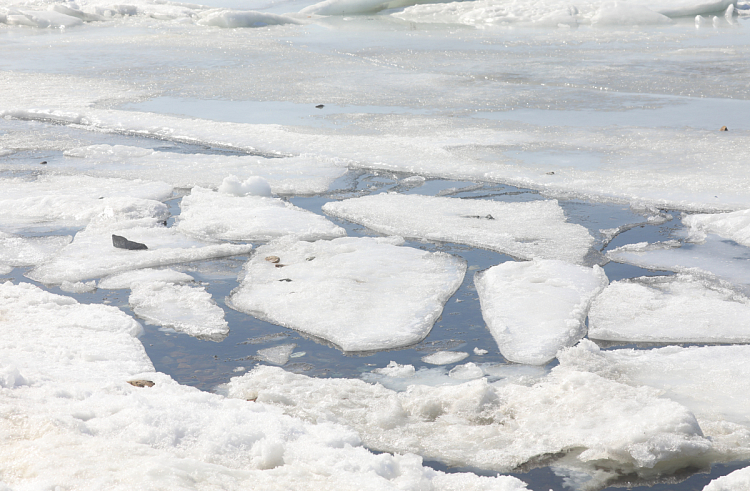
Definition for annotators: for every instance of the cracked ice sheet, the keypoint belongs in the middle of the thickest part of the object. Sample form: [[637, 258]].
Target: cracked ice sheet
[[66, 400], [92, 255], [300, 175], [359, 293], [210, 215], [679, 308], [523, 230], [535, 308], [692, 182], [714, 257], [713, 382], [55, 201], [604, 426]]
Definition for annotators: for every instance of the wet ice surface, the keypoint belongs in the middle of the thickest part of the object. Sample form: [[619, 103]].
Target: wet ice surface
[[449, 112]]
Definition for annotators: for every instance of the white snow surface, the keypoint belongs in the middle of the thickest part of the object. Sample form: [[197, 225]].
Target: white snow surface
[[713, 382], [129, 279], [253, 185], [734, 226], [535, 229], [211, 215], [535, 308], [92, 255], [65, 398], [72, 201], [29, 251], [184, 308], [375, 294], [680, 308], [734, 481], [600, 422]]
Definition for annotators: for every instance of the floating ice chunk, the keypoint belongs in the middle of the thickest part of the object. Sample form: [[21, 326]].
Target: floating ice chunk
[[678, 308], [444, 357], [713, 257], [78, 287], [147, 275], [523, 230], [713, 382], [253, 185], [61, 201], [188, 309], [395, 370], [603, 426], [278, 355], [29, 251], [535, 308], [209, 215], [734, 226], [470, 371], [734, 481], [358, 293], [700, 21], [91, 254], [243, 18], [480, 351], [622, 13]]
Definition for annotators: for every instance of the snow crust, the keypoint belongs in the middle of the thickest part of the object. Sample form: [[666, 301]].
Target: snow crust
[[210, 215], [376, 295], [535, 308], [72, 201], [523, 230], [680, 308], [92, 255], [601, 423], [65, 399]]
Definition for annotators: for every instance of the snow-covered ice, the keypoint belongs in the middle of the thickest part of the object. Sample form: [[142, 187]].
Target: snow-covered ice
[[739, 479], [535, 229], [146, 275], [734, 226], [29, 251], [277, 355], [376, 294], [535, 308], [680, 308], [211, 215], [444, 357]]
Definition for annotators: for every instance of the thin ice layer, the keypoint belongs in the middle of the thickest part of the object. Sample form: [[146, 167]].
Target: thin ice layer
[[680, 308], [535, 308], [359, 293], [92, 255], [69, 201], [734, 226], [66, 400], [602, 425], [210, 215], [714, 257], [188, 309], [300, 174], [535, 229], [713, 382]]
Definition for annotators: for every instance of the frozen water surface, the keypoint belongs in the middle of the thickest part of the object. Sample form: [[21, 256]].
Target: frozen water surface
[[512, 103]]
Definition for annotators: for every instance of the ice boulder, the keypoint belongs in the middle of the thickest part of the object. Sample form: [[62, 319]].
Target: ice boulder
[[360, 294], [535, 308], [535, 229], [680, 308], [249, 213]]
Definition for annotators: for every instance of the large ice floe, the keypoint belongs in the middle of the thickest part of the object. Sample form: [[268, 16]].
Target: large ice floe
[[535, 308], [535, 229], [66, 398], [238, 214], [376, 294], [680, 308], [52, 201], [594, 426]]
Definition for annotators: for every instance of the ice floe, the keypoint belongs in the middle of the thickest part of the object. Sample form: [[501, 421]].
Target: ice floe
[[444, 357], [72, 201], [376, 295], [679, 308], [211, 215], [184, 308], [18, 251], [739, 479], [523, 230], [535, 308], [92, 255], [713, 382], [603, 427], [129, 279], [66, 399], [277, 355], [734, 226]]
